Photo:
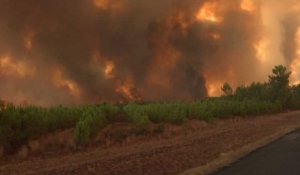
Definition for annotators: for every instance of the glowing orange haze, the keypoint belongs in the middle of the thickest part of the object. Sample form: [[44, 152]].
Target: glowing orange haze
[[170, 38], [103, 4], [61, 82], [248, 5], [260, 48], [208, 12], [108, 71], [295, 65], [11, 67]]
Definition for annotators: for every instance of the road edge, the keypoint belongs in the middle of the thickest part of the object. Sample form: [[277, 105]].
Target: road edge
[[228, 158]]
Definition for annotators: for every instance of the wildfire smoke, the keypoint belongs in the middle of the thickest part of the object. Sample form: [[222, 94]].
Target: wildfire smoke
[[88, 51]]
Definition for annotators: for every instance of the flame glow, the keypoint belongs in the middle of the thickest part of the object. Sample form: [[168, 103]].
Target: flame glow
[[101, 4], [208, 12], [260, 48], [10, 67], [214, 89], [111, 50], [61, 82], [116, 5], [215, 36], [109, 70], [125, 89], [248, 5], [295, 65]]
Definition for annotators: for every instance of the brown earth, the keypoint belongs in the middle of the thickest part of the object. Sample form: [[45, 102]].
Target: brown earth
[[177, 149]]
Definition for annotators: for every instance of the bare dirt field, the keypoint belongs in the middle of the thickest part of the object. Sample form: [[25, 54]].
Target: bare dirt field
[[178, 150]]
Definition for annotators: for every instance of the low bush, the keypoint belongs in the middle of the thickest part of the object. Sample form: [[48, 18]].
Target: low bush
[[18, 124], [89, 125]]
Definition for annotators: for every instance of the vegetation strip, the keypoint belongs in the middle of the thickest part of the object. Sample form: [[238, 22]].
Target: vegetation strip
[[19, 124]]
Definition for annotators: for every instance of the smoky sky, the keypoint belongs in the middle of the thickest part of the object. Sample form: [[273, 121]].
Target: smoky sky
[[158, 48]]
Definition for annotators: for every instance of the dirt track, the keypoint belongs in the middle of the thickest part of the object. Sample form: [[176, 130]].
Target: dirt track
[[162, 156]]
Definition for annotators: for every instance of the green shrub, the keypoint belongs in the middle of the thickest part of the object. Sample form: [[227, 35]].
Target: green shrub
[[109, 110], [82, 132], [18, 124], [92, 120], [137, 115]]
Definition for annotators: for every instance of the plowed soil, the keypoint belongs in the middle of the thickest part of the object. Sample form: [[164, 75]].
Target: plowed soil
[[164, 155]]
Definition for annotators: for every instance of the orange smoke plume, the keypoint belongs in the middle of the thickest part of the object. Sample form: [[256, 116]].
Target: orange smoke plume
[[109, 70], [208, 12], [61, 82], [19, 68], [295, 65], [248, 5], [102, 4]]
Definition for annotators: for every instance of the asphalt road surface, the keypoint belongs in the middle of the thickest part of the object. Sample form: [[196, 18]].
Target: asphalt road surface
[[279, 158]]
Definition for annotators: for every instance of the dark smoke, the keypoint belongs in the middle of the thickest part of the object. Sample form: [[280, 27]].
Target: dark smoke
[[140, 37]]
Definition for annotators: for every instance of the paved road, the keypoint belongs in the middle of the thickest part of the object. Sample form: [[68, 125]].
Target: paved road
[[280, 158]]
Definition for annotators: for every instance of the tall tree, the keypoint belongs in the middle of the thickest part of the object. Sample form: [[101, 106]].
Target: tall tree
[[279, 83], [280, 77], [227, 90]]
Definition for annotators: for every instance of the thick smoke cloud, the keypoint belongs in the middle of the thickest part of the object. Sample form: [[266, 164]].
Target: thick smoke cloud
[[58, 51]]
